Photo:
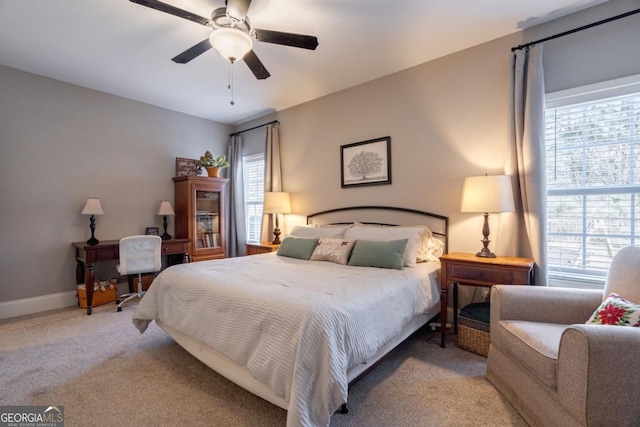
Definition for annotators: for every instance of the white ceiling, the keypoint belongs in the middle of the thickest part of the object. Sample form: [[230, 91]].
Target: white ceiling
[[125, 49]]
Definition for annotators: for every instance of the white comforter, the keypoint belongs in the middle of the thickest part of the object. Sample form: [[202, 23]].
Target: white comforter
[[298, 326]]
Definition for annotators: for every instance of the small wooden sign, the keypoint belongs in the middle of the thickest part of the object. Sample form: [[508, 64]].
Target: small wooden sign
[[186, 167]]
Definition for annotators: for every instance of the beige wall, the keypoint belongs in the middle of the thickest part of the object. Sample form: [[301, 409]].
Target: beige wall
[[447, 120], [61, 143]]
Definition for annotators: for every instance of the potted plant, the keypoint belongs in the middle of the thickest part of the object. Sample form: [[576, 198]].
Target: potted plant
[[213, 165]]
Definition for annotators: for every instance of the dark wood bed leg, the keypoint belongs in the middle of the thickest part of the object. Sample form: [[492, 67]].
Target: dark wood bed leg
[[343, 409]]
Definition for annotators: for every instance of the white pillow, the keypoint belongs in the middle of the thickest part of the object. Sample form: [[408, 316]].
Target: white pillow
[[423, 228], [413, 234], [345, 226], [311, 232]]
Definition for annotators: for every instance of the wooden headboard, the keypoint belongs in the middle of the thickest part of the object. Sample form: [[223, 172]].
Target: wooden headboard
[[384, 215]]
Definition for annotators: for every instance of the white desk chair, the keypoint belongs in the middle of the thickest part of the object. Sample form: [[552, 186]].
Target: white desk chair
[[138, 254]]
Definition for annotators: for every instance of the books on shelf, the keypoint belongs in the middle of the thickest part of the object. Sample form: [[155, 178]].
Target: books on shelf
[[210, 240]]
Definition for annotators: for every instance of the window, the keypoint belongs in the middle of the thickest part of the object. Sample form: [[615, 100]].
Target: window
[[593, 179], [253, 176]]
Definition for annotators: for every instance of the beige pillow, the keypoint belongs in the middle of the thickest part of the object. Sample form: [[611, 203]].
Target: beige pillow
[[333, 250]]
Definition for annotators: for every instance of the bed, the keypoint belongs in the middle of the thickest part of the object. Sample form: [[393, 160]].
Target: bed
[[296, 331]]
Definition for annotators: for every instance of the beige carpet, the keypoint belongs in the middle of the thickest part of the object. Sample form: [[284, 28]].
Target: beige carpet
[[105, 373]]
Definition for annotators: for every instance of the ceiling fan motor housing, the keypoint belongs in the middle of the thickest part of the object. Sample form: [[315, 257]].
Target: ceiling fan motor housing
[[220, 19]]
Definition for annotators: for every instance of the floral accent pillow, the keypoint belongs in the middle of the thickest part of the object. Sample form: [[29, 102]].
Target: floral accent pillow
[[431, 249], [334, 250], [616, 310]]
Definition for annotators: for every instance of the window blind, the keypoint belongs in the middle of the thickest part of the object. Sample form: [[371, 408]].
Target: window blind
[[253, 176], [593, 182]]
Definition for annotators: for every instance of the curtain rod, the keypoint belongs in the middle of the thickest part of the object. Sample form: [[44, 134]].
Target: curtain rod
[[255, 127], [575, 30]]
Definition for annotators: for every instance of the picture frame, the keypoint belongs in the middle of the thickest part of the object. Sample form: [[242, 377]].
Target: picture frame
[[186, 167], [153, 231], [366, 163]]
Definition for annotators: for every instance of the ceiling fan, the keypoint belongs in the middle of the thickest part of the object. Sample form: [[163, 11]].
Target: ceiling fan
[[232, 35]]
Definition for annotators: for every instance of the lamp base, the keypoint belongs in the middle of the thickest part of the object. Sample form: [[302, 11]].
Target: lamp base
[[486, 253], [92, 241], [165, 235], [276, 233]]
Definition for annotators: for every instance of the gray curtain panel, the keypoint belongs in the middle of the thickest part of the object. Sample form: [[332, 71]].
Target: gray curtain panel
[[237, 239], [524, 231], [272, 177]]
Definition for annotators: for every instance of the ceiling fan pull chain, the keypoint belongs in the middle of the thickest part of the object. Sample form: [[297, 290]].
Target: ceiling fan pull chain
[[230, 84]]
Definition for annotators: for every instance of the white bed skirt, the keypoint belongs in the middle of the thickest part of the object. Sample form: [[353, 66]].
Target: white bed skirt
[[240, 375]]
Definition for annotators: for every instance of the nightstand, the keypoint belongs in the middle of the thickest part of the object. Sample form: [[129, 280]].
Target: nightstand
[[472, 270], [261, 248]]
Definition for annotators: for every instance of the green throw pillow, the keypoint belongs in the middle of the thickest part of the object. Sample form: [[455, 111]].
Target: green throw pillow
[[375, 253], [297, 247]]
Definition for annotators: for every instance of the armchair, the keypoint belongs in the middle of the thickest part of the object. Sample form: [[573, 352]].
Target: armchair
[[555, 369]]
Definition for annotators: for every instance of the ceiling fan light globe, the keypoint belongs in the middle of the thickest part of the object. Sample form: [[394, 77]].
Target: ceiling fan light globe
[[231, 43]]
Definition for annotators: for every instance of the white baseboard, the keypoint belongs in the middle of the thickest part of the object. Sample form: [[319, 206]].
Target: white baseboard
[[37, 304]]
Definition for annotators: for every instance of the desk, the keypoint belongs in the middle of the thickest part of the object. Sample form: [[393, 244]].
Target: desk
[[109, 250], [471, 270]]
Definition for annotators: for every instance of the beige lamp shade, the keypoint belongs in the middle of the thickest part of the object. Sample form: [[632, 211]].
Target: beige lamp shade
[[165, 209], [92, 207], [486, 194], [277, 202]]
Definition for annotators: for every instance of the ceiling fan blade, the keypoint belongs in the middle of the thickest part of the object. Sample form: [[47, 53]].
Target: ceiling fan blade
[[256, 66], [172, 10], [192, 52], [287, 39], [237, 9]]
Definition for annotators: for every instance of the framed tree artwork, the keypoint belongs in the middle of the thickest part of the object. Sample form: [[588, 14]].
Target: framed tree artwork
[[366, 163]]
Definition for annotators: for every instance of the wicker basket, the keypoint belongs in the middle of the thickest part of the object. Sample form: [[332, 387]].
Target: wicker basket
[[103, 293], [473, 335], [132, 280]]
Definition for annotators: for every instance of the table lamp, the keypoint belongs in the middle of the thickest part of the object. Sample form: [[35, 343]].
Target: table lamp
[[93, 208], [487, 194], [165, 210], [276, 202]]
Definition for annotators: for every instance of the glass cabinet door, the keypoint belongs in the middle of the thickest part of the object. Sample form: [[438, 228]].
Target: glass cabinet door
[[207, 223], [200, 210]]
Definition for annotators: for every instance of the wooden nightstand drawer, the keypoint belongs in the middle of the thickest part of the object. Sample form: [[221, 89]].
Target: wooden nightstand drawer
[[484, 274], [172, 248]]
